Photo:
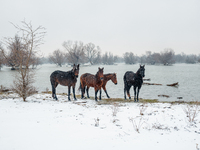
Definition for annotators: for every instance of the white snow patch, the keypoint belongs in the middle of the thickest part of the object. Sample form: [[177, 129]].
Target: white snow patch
[[46, 124]]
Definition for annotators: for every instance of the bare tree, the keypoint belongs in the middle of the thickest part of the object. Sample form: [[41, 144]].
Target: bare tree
[[91, 52], [30, 40], [180, 58], [14, 48], [191, 59], [108, 58], [129, 58], [75, 52], [58, 57], [152, 58], [97, 59], [156, 57], [167, 56]]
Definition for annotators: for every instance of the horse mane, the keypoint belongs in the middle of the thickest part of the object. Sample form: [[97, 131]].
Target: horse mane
[[72, 73], [96, 75], [137, 73], [109, 74]]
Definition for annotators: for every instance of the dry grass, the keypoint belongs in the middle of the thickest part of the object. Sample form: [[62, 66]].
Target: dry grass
[[136, 125], [184, 102], [191, 112], [143, 108], [110, 101], [115, 109]]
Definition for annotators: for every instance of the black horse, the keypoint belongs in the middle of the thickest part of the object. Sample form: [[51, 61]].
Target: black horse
[[135, 80], [68, 78]]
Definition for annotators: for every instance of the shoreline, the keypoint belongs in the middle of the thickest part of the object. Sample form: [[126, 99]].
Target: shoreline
[[104, 101]]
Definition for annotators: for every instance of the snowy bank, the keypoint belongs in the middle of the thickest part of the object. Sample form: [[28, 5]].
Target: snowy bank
[[46, 124]]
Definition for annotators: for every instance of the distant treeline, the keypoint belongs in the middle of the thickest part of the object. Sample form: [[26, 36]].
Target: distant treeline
[[92, 55], [76, 52]]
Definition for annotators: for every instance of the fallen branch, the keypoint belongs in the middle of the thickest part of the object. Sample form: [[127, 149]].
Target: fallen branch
[[147, 79], [151, 83], [173, 84], [163, 96]]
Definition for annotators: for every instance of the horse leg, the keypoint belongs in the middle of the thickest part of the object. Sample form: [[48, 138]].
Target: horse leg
[[128, 91], [96, 91], [54, 85], [69, 87], [104, 88], [134, 93], [138, 93], [74, 93], [82, 91], [100, 94], [87, 90], [125, 88], [53, 91]]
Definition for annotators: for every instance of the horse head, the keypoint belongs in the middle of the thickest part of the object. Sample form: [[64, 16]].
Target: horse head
[[100, 73], [114, 78], [142, 71], [75, 70]]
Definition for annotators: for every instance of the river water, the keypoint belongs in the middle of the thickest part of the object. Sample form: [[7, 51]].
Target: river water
[[186, 74]]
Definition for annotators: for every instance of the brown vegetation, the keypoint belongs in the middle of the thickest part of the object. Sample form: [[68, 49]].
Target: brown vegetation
[[22, 54]]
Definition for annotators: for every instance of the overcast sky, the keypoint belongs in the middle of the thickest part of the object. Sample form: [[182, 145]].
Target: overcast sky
[[117, 26]]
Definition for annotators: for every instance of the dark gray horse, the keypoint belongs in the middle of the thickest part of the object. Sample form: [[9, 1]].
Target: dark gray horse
[[135, 80], [68, 78]]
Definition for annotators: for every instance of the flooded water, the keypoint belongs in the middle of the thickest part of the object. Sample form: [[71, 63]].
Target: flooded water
[[187, 76]]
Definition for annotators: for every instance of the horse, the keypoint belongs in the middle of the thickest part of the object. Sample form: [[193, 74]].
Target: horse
[[135, 80], [91, 80], [106, 78], [68, 78]]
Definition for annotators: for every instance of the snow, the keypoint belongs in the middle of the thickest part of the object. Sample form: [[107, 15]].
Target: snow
[[45, 124]]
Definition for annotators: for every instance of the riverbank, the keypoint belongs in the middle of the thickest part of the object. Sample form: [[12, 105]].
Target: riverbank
[[43, 123]]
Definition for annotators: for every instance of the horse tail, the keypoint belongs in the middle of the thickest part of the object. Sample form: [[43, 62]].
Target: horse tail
[[124, 77]]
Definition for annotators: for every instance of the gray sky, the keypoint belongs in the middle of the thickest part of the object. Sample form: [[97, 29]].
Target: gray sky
[[117, 26]]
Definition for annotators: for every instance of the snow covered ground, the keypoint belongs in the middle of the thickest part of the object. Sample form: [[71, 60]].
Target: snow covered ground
[[45, 124]]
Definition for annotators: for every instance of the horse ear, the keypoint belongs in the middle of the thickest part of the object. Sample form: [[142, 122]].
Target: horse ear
[[102, 68], [144, 66], [74, 67], [78, 66]]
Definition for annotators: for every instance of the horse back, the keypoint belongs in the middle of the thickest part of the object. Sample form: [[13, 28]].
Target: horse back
[[129, 76], [87, 79], [90, 80], [63, 78]]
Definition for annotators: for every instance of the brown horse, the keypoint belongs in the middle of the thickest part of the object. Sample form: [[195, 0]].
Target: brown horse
[[106, 78], [66, 79], [91, 80]]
